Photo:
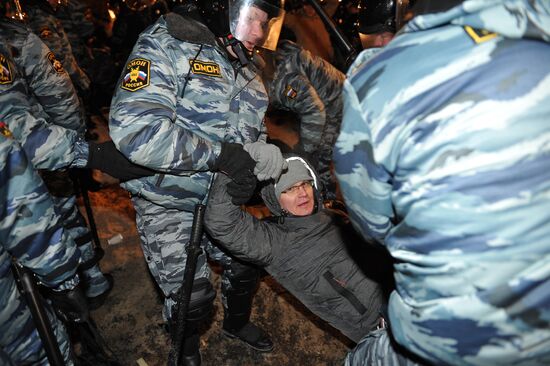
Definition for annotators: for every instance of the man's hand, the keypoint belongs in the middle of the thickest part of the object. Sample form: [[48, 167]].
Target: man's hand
[[105, 157], [71, 304], [269, 160], [237, 164]]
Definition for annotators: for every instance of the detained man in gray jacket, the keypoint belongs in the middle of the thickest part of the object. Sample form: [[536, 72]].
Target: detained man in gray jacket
[[311, 251]]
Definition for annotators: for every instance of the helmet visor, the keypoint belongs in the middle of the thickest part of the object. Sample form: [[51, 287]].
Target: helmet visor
[[256, 23]]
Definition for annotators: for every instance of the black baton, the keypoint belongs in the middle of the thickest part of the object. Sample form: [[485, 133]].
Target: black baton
[[29, 290], [184, 295]]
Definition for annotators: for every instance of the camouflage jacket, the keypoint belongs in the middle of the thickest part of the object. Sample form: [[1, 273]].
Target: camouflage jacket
[[43, 22], [178, 98], [49, 84], [47, 145], [310, 87], [444, 156], [78, 26], [30, 231]]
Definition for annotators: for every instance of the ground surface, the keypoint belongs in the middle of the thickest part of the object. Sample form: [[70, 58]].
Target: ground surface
[[131, 322]]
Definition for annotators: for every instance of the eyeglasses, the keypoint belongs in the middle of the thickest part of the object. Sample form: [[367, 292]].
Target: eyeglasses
[[296, 188]]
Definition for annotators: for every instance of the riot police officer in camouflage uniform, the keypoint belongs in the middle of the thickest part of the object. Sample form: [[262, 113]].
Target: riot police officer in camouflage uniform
[[30, 231], [445, 161], [76, 19], [188, 99], [31, 235], [39, 104], [41, 19], [310, 87]]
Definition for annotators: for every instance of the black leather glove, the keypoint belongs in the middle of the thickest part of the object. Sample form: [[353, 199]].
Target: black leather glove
[[105, 157], [241, 191], [71, 305], [237, 164]]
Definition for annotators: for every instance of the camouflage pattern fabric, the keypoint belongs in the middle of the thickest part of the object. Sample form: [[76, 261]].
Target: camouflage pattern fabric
[[163, 235], [30, 233], [43, 22], [48, 82], [178, 99], [312, 88], [47, 145], [379, 349], [444, 157], [78, 25], [153, 125]]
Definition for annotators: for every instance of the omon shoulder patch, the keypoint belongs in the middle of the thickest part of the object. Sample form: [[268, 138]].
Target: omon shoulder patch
[[290, 92], [6, 75], [4, 130], [136, 74], [56, 64]]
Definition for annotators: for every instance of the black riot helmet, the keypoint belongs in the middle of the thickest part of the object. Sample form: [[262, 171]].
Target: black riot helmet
[[377, 16], [238, 18]]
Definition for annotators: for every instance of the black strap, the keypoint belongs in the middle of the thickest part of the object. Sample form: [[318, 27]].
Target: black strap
[[83, 239]]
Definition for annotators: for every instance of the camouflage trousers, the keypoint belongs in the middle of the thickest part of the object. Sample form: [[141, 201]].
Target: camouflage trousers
[[61, 187], [164, 234], [378, 349], [20, 343]]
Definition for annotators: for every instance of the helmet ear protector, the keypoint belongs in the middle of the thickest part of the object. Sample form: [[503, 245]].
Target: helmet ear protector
[[377, 16]]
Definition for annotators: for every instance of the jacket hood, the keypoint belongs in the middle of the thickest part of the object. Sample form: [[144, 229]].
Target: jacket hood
[[268, 190], [510, 18]]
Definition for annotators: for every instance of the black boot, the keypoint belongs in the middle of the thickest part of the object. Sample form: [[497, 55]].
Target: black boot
[[236, 323], [200, 308], [191, 355], [253, 336]]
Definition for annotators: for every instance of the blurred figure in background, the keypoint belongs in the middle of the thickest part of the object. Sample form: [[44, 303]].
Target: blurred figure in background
[[311, 88]]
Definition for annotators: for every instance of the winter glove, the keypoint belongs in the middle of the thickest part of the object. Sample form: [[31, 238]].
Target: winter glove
[[237, 164], [105, 157], [241, 191], [269, 160], [71, 305]]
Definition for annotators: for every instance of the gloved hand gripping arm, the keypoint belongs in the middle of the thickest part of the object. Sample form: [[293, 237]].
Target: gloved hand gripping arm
[[237, 164]]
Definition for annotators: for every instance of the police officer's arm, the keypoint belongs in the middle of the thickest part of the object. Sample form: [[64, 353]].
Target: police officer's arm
[[143, 118], [30, 230], [50, 84], [245, 236], [365, 184], [47, 146], [296, 93]]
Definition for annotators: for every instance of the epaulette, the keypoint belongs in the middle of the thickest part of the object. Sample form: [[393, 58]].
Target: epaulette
[[189, 30]]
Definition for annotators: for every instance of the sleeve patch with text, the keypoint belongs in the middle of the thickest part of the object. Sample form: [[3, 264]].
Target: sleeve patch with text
[[136, 74], [6, 75]]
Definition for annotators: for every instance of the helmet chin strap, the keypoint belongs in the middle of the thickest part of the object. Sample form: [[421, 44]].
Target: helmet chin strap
[[238, 48]]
